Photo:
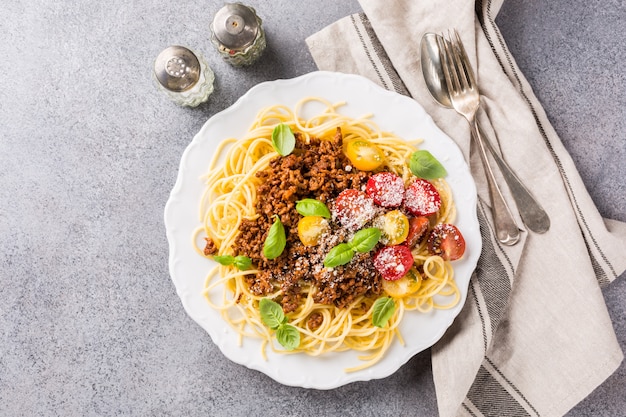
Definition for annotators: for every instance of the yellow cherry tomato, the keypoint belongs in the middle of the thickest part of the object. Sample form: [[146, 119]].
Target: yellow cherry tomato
[[407, 285], [394, 227], [364, 155], [311, 228]]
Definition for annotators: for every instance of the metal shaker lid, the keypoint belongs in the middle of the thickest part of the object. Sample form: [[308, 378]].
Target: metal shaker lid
[[177, 68], [235, 26]]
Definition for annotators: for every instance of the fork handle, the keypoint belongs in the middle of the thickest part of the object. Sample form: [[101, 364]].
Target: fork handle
[[507, 231], [533, 215]]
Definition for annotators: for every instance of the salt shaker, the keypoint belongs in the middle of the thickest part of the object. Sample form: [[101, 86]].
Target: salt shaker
[[237, 34], [184, 76]]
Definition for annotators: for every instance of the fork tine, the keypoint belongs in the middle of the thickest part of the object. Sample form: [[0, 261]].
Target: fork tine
[[449, 71], [465, 59], [459, 64]]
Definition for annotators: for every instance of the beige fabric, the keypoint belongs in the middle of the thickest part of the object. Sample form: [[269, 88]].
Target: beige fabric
[[534, 337]]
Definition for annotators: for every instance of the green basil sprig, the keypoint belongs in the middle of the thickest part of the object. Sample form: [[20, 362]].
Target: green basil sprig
[[283, 139], [363, 241], [424, 165], [312, 207], [288, 336], [384, 308], [339, 255], [272, 313], [275, 241], [240, 262], [273, 317]]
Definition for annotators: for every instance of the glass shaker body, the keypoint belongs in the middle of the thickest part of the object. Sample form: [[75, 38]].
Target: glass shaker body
[[237, 34], [184, 76]]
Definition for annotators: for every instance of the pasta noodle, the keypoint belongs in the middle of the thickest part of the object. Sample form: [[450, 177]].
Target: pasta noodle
[[230, 197]]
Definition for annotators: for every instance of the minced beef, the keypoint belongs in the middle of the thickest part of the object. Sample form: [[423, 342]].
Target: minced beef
[[320, 170], [314, 321], [210, 248]]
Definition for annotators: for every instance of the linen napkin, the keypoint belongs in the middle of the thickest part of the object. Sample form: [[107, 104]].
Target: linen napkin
[[534, 337]]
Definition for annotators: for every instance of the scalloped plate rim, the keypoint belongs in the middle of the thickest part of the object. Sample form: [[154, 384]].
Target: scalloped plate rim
[[339, 82]]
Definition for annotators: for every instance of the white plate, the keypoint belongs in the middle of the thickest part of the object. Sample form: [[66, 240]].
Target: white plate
[[393, 113]]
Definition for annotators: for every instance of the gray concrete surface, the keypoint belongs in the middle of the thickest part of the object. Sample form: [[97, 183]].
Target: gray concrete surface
[[90, 323]]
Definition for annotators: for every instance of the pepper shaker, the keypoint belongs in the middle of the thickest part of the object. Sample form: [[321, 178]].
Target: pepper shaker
[[238, 34], [184, 76]]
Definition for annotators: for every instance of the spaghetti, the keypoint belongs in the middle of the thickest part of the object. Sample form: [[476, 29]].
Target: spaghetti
[[230, 198]]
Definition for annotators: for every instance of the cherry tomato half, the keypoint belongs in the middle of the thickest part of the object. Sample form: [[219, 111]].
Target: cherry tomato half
[[446, 240], [386, 188], [353, 208], [418, 226], [407, 285], [364, 155], [393, 262], [422, 198], [394, 227], [311, 228]]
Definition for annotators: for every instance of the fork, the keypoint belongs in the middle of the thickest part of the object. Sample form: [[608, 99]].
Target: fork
[[465, 99]]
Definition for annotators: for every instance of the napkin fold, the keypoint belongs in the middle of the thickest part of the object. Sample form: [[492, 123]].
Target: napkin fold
[[534, 337]]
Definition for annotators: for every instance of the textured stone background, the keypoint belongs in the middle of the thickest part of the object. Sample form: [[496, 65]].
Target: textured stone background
[[90, 323]]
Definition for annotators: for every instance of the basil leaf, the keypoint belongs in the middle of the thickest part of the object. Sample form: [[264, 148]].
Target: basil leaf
[[271, 313], [242, 262], [339, 255], [424, 165], [384, 308], [275, 241], [312, 207], [224, 259], [288, 336], [283, 139], [365, 239]]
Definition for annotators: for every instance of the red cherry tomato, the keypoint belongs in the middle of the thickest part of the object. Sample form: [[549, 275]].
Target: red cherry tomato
[[353, 208], [446, 241], [418, 226], [386, 188], [393, 262], [422, 198]]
